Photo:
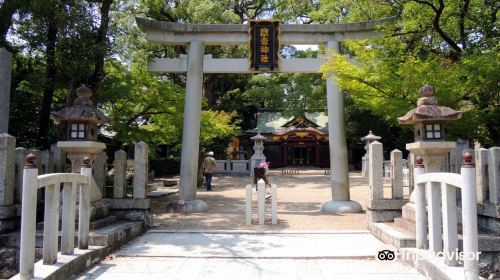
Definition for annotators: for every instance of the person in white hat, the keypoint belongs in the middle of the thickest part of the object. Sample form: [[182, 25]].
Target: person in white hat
[[209, 166]]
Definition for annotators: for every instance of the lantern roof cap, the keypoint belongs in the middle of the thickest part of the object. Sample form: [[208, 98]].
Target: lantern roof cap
[[428, 109], [370, 136], [83, 109], [258, 136]]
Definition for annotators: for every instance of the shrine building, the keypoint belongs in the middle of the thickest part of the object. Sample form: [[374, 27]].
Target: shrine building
[[300, 140]]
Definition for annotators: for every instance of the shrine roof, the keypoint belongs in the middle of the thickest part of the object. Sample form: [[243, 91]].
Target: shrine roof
[[277, 122]]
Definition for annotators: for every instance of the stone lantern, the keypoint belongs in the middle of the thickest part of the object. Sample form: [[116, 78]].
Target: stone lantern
[[82, 118], [368, 139], [80, 139], [429, 121], [258, 155]]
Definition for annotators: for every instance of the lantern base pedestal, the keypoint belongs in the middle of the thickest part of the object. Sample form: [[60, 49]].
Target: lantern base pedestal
[[76, 151]]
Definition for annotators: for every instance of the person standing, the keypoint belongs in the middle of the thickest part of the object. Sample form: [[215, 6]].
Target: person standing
[[209, 166]]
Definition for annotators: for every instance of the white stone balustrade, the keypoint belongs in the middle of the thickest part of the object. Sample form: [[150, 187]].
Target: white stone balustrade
[[51, 182], [442, 214], [261, 202]]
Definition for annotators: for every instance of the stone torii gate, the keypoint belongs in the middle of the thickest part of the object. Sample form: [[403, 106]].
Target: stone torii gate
[[196, 63]]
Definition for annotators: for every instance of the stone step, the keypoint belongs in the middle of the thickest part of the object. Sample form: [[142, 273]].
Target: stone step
[[105, 236], [396, 236], [167, 182], [408, 212], [405, 224], [393, 235], [153, 186], [106, 221], [114, 236]]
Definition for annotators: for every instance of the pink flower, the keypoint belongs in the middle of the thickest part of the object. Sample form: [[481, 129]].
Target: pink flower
[[263, 165]]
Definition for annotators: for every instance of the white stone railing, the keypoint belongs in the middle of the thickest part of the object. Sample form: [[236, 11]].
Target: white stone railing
[[440, 190], [51, 182]]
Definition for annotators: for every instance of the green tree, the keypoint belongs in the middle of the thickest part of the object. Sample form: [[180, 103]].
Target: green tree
[[452, 45]]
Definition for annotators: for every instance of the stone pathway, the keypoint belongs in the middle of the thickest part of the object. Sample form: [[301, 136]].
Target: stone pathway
[[246, 255]]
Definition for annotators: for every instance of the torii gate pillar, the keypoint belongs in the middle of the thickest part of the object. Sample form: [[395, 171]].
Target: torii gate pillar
[[341, 201], [191, 131]]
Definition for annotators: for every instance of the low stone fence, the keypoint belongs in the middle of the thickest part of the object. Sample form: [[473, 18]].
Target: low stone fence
[[488, 189], [382, 207], [12, 161], [233, 167]]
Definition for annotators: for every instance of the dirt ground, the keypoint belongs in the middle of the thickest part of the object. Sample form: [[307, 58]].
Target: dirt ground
[[299, 200]]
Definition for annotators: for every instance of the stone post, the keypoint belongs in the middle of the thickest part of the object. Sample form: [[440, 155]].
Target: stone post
[[469, 215], [482, 181], [261, 190], [28, 219], [47, 162], [397, 174], [420, 211], [340, 202], [494, 174], [7, 169], [120, 178], [5, 77], [99, 173], [20, 162], [84, 205], [191, 130], [375, 173], [140, 170], [456, 158], [248, 204], [59, 158]]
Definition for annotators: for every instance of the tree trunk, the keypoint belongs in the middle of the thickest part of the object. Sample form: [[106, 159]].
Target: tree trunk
[[50, 73], [102, 46]]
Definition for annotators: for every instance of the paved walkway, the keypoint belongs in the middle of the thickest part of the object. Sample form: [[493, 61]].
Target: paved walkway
[[299, 200], [245, 255], [306, 244]]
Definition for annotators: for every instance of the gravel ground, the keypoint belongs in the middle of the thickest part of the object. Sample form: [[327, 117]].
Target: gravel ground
[[299, 200]]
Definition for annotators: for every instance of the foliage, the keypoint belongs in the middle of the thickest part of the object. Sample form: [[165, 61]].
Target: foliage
[[445, 44]]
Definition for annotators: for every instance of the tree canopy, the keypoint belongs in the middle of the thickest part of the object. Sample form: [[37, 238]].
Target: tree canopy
[[57, 45]]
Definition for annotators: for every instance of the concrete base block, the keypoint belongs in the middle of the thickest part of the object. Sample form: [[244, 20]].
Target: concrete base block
[[488, 209], [430, 266], [144, 216], [382, 216], [193, 206], [386, 204], [341, 206], [7, 212], [9, 225], [68, 265], [488, 224]]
